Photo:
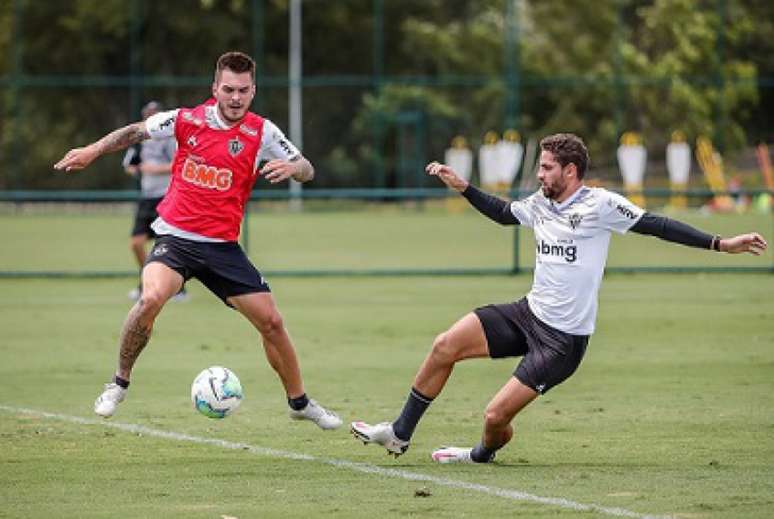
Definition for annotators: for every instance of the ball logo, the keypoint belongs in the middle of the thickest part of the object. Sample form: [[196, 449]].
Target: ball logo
[[206, 176]]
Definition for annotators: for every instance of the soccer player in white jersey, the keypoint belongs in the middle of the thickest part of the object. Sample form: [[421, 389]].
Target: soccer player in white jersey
[[551, 326], [222, 150]]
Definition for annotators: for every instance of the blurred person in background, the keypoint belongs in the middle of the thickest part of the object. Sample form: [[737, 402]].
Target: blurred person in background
[[151, 162], [222, 150]]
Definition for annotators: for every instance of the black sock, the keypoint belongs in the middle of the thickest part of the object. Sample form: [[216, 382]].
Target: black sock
[[413, 409], [481, 454], [296, 404], [121, 382]]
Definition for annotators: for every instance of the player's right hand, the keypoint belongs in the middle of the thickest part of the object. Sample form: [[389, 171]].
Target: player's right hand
[[447, 175], [77, 158]]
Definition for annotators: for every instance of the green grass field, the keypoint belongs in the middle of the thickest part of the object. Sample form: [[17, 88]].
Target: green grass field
[[386, 238], [671, 413]]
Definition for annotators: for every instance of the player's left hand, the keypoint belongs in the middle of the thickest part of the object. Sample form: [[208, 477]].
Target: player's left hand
[[278, 170], [77, 158], [751, 242]]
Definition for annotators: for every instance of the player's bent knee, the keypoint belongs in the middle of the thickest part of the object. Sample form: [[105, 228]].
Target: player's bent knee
[[151, 301], [444, 350], [271, 324], [495, 417]]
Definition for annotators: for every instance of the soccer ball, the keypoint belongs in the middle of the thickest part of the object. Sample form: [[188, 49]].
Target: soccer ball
[[216, 392]]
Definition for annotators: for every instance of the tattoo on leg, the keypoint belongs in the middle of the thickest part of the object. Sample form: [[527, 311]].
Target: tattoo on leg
[[134, 338]]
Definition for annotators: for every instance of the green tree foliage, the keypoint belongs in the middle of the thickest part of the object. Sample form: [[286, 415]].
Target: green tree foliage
[[569, 55], [697, 82], [595, 67]]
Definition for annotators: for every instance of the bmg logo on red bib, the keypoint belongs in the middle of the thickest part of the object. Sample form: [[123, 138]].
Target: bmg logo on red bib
[[207, 176]]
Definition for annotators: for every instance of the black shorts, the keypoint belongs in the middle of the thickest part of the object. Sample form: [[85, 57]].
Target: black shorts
[[550, 355], [144, 216], [222, 267]]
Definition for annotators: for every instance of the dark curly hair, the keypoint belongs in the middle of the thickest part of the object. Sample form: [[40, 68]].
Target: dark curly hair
[[567, 148]]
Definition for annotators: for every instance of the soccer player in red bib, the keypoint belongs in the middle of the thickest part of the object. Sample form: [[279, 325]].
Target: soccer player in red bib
[[222, 149]]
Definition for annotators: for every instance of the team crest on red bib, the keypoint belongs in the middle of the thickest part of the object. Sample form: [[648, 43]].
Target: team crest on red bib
[[235, 146]]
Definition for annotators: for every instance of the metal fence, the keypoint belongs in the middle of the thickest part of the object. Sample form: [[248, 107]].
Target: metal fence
[[361, 225], [369, 123]]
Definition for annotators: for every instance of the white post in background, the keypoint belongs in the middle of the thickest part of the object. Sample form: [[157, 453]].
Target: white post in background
[[632, 159], [295, 116], [460, 158], [511, 153], [489, 162], [678, 161]]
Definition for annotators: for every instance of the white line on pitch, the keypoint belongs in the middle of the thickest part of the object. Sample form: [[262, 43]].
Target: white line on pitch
[[514, 495]]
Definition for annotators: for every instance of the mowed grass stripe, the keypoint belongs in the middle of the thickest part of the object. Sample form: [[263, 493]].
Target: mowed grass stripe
[[514, 495]]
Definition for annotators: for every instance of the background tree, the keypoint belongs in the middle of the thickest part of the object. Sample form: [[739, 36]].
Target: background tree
[[596, 67]]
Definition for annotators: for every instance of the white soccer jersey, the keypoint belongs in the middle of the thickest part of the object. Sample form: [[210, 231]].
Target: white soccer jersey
[[571, 241]]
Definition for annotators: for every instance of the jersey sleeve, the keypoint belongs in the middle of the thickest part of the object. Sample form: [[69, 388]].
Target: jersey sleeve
[[524, 211], [274, 145], [617, 213], [161, 125]]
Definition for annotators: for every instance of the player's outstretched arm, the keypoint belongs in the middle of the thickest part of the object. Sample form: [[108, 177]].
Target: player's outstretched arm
[[122, 138], [679, 232], [490, 206], [751, 242]]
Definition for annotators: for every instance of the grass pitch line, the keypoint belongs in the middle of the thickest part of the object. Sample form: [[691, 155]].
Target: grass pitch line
[[514, 495]]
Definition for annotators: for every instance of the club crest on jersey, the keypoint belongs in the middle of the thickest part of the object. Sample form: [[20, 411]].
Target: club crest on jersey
[[575, 220], [192, 141], [235, 146]]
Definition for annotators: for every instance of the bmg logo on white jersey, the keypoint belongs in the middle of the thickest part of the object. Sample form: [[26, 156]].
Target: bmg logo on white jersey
[[568, 252]]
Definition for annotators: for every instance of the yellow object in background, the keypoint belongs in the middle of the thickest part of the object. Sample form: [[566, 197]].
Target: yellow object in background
[[765, 201], [712, 166]]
